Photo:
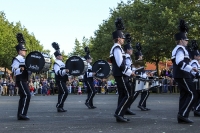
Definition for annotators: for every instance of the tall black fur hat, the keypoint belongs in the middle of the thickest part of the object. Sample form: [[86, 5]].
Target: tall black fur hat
[[128, 42], [193, 49], [87, 51], [21, 42], [119, 28], [183, 30], [57, 48]]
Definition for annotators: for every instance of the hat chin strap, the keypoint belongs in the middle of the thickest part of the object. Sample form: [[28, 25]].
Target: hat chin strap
[[183, 42], [120, 41]]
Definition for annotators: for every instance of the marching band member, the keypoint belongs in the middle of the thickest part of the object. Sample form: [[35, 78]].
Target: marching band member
[[61, 78], [129, 51], [144, 95], [182, 74], [121, 72], [21, 78], [195, 55], [144, 75], [89, 81]]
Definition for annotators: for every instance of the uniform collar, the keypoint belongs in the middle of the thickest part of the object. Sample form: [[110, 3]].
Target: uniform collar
[[117, 44], [128, 55]]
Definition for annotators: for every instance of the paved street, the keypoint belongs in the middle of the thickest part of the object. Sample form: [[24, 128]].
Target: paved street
[[44, 118]]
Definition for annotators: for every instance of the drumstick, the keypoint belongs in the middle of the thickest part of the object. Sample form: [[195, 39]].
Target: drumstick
[[98, 70]]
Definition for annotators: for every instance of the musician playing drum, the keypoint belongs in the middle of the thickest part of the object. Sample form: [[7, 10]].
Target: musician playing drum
[[121, 72], [182, 74], [143, 75], [21, 77], [89, 81], [129, 51], [61, 78], [195, 55]]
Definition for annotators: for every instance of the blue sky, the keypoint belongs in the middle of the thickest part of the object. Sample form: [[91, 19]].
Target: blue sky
[[60, 21]]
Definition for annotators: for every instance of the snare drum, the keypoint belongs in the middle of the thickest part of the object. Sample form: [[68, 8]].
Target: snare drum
[[156, 82], [139, 84], [146, 84], [37, 62], [76, 65], [151, 82], [102, 69]]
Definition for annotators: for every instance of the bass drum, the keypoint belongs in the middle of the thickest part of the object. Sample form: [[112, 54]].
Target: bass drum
[[102, 69], [76, 65], [37, 62]]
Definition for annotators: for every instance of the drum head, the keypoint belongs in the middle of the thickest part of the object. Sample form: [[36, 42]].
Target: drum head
[[34, 61], [102, 68], [76, 65]]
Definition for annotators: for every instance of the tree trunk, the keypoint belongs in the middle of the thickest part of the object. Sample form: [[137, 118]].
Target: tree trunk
[[157, 67]]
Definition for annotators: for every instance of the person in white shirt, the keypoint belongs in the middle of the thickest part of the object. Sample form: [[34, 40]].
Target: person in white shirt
[[21, 78], [61, 78], [121, 72]]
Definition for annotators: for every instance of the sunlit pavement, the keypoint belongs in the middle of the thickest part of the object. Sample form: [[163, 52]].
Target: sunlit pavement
[[44, 117]]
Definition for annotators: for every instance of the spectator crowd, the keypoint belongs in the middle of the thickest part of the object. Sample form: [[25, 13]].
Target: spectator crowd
[[47, 87]]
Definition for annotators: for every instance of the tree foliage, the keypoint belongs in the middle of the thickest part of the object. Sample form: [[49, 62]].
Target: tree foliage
[[153, 23], [8, 41]]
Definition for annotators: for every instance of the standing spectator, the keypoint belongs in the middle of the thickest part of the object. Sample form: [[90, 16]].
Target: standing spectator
[[48, 89], [69, 85], [96, 85], [99, 85], [40, 85], [36, 86], [109, 83], [31, 90], [52, 86], [11, 87], [104, 86], [44, 87], [31, 87], [16, 89], [1, 88], [170, 82], [5, 88], [165, 85], [79, 88], [74, 85]]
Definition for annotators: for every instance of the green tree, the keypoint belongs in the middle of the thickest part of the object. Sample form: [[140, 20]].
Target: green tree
[[153, 23], [8, 41]]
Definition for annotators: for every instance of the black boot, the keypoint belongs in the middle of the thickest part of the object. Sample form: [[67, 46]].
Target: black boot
[[129, 112], [142, 108], [88, 105], [93, 107], [147, 109], [22, 117], [60, 110], [121, 118], [183, 120], [196, 113]]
